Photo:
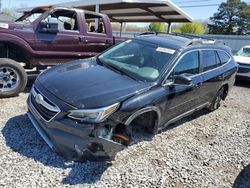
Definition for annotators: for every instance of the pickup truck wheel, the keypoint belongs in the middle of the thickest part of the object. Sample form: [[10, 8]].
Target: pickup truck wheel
[[217, 100], [13, 78]]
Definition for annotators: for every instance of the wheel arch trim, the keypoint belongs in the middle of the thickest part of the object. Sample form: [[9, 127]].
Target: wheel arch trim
[[142, 111], [16, 40]]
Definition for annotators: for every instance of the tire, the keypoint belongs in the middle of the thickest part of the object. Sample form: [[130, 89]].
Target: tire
[[13, 78], [216, 103]]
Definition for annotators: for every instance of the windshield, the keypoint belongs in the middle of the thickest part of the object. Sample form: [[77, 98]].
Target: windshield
[[245, 52], [30, 17], [137, 59]]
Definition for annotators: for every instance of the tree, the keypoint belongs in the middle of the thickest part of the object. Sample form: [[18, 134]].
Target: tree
[[157, 27], [193, 28], [10, 13], [232, 18]]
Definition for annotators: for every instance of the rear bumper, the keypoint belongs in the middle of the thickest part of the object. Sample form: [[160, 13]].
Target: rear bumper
[[73, 142]]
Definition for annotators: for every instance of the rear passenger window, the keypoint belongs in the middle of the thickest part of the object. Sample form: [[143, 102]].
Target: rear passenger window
[[209, 59], [91, 24], [224, 58]]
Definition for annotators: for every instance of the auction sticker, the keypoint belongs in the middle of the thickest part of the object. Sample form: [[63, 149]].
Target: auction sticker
[[165, 50]]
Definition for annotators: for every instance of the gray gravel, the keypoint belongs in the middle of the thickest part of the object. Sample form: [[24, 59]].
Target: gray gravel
[[205, 150]]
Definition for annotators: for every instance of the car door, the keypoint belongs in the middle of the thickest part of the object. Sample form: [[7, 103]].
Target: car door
[[97, 35], [63, 44], [181, 99], [212, 74]]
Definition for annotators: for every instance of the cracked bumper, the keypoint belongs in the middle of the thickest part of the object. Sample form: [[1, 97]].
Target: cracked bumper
[[70, 141]]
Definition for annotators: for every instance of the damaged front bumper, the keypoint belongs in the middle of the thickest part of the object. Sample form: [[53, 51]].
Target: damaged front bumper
[[75, 142]]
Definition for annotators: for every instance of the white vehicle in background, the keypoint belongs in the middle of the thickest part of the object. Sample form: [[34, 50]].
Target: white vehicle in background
[[242, 57]]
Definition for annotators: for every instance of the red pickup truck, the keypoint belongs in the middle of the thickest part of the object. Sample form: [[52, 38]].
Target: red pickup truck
[[47, 36]]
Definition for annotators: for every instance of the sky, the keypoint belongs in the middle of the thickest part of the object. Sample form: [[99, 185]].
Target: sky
[[197, 13]]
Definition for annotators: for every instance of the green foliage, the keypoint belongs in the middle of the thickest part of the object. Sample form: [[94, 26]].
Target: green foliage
[[232, 18], [128, 27], [157, 27], [193, 28]]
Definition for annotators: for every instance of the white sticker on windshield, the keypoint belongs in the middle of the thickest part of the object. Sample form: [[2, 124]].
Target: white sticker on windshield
[[165, 50], [4, 25]]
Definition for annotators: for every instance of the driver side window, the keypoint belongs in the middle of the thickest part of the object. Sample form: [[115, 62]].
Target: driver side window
[[67, 20], [188, 65]]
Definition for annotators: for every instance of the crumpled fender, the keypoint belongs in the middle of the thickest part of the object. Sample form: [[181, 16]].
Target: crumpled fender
[[140, 104]]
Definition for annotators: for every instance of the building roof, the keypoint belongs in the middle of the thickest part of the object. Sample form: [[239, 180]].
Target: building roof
[[133, 10]]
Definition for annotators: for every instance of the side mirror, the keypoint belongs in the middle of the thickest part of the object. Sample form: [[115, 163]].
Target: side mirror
[[52, 26], [182, 80]]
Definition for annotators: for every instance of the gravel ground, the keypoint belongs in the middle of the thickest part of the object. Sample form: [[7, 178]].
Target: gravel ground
[[204, 150]]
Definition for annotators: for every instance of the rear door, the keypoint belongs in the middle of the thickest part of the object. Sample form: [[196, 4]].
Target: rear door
[[212, 74], [180, 98], [97, 35]]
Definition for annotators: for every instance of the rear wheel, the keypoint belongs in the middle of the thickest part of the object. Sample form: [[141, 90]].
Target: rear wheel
[[216, 103], [13, 78]]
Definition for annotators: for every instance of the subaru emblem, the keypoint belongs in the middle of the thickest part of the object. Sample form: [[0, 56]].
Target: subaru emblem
[[39, 99]]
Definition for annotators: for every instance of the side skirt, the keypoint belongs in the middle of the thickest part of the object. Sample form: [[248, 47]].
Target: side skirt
[[182, 116]]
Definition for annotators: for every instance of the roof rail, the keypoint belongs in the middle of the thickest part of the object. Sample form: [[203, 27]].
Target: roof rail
[[191, 36], [148, 33], [195, 39], [202, 42]]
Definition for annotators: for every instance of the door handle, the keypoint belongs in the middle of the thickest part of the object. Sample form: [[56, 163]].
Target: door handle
[[80, 39], [83, 40]]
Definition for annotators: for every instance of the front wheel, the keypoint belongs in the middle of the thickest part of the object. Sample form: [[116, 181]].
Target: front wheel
[[216, 103], [13, 78]]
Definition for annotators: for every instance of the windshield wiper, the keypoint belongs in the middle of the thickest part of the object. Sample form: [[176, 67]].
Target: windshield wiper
[[117, 69], [114, 68], [129, 74], [121, 70]]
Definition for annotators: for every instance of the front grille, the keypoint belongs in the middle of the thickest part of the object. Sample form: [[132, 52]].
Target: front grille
[[43, 106]]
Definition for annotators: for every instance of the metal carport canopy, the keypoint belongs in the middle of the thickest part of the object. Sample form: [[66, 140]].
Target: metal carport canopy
[[134, 10]]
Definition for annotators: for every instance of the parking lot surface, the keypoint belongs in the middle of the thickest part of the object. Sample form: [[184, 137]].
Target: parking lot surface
[[204, 150]]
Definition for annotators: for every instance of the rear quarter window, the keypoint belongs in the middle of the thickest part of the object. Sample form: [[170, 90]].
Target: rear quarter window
[[224, 57]]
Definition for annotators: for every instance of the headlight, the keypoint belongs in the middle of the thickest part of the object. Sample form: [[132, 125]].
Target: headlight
[[93, 115]]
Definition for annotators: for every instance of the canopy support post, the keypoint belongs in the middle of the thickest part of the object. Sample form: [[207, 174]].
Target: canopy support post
[[97, 9], [121, 29], [169, 27]]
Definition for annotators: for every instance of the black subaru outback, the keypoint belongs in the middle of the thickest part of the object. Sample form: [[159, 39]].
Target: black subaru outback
[[90, 109]]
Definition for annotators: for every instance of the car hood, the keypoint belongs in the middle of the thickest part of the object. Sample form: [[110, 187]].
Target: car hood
[[85, 84], [240, 59]]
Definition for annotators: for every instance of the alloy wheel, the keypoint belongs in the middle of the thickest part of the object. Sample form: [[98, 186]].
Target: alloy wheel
[[9, 79]]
